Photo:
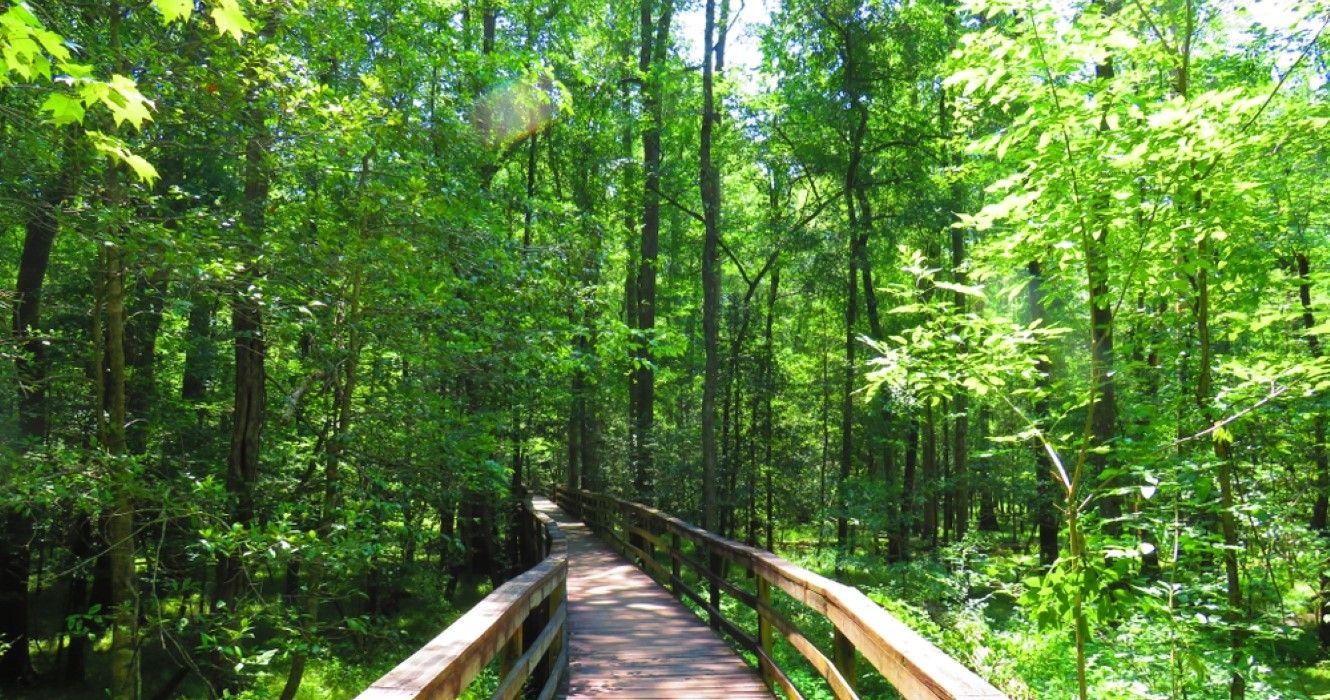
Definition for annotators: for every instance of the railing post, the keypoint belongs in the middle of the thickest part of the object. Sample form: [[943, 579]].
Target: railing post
[[557, 598], [714, 572], [764, 627], [512, 651], [676, 579], [547, 666], [843, 656]]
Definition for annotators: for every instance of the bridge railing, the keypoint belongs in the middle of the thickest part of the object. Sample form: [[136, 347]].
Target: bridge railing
[[523, 623], [916, 668]]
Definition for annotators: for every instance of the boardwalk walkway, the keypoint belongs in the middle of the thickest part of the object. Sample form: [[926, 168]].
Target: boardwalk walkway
[[631, 640]]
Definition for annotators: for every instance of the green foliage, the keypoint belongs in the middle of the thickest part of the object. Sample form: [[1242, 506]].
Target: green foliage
[[439, 254]]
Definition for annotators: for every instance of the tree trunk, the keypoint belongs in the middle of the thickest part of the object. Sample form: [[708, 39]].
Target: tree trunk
[[709, 186], [988, 521], [651, 60], [1046, 484], [769, 392], [960, 408], [120, 522], [250, 352], [31, 366], [908, 501], [143, 323], [1222, 450], [930, 477], [1321, 476]]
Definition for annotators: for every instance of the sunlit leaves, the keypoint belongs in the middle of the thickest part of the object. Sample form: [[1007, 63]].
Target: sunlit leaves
[[230, 19], [119, 150], [26, 47], [173, 10], [63, 109]]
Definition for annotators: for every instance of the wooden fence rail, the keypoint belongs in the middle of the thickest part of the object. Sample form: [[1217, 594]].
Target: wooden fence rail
[[916, 668], [523, 623]]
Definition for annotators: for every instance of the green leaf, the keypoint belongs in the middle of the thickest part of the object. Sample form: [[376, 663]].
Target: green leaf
[[119, 150], [173, 10], [959, 288], [230, 19], [141, 167], [64, 109], [126, 103]]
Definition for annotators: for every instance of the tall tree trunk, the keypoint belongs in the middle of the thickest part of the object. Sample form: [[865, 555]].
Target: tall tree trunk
[[1319, 523], [250, 350], [1103, 411], [31, 366], [651, 61], [826, 447], [768, 393], [1046, 485], [82, 547], [709, 186], [847, 388], [930, 477], [908, 500], [125, 678], [960, 407], [857, 132], [988, 521], [1223, 454], [1321, 477]]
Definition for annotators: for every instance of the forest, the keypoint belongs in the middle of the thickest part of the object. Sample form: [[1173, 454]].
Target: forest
[[1012, 314]]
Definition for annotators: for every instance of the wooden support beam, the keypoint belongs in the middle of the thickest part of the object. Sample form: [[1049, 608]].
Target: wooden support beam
[[842, 654], [764, 626]]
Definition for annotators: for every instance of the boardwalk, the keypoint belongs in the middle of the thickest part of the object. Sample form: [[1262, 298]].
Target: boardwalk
[[630, 640]]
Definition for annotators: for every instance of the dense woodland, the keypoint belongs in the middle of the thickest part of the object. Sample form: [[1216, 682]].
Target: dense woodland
[[1013, 314]]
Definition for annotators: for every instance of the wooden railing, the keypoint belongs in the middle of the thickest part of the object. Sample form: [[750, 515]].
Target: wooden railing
[[916, 668], [523, 623]]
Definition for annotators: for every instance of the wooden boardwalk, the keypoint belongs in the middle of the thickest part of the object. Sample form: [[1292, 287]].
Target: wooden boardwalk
[[631, 640]]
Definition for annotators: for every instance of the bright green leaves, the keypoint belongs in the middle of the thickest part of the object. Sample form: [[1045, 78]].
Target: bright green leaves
[[32, 52], [120, 96], [63, 109], [173, 10], [227, 16], [27, 48], [941, 353], [119, 150], [126, 103], [230, 19]]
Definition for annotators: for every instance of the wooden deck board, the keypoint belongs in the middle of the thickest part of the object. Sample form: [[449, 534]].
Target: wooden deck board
[[631, 640]]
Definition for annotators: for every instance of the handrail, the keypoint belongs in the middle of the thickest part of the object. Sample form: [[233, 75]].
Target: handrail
[[916, 668], [523, 621]]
